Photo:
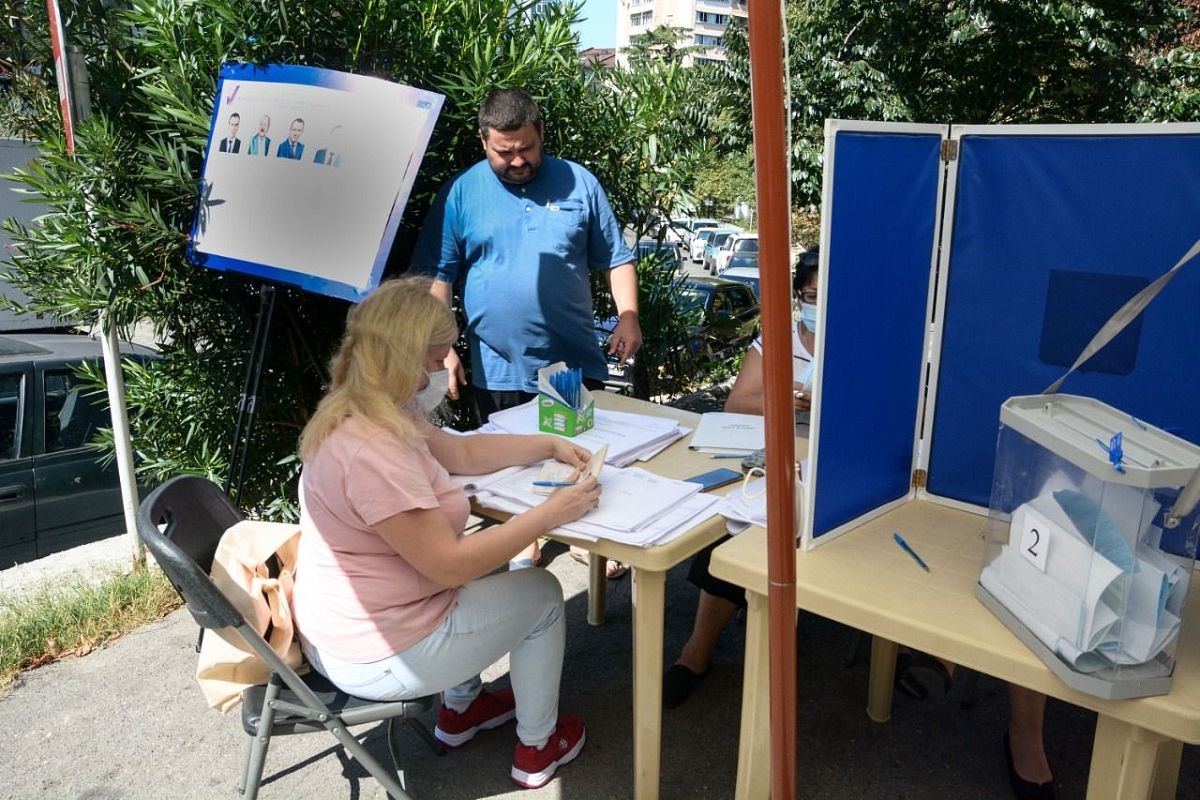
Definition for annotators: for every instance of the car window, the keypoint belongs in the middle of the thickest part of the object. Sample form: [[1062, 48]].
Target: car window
[[746, 246], [692, 296], [10, 406], [740, 299], [71, 418]]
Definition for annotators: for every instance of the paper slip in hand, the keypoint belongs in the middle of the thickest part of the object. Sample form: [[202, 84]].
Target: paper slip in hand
[[722, 432], [558, 472]]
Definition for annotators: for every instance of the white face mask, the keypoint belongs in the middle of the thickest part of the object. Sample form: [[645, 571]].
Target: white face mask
[[434, 392]]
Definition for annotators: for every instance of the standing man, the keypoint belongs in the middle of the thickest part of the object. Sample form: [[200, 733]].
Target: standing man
[[522, 231], [260, 143], [232, 144], [292, 147]]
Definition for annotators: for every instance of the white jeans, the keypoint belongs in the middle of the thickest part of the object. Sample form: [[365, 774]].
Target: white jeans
[[520, 613]]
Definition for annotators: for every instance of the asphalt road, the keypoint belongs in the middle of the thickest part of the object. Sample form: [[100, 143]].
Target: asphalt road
[[128, 721]]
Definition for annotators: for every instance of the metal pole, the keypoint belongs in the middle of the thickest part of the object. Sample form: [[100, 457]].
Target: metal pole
[[71, 72], [773, 198]]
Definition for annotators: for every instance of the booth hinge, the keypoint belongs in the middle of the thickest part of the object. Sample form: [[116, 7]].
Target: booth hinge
[[919, 477], [949, 149]]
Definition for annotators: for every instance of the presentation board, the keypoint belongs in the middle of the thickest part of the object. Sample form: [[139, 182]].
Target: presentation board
[[307, 173], [1039, 234]]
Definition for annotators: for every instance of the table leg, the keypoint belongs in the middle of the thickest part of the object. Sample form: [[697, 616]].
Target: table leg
[[882, 678], [597, 588], [1166, 770], [754, 751], [1123, 760], [649, 593]]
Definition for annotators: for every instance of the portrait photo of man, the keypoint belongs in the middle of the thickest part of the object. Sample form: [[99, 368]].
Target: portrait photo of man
[[292, 147], [260, 143], [232, 144]]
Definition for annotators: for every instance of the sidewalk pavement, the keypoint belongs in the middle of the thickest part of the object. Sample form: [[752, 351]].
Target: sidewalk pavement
[[127, 721]]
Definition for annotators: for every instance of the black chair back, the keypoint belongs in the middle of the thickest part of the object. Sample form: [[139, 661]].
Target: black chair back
[[195, 513]]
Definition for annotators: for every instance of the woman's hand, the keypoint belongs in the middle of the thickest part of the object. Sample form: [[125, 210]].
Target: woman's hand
[[568, 453], [572, 502], [801, 397]]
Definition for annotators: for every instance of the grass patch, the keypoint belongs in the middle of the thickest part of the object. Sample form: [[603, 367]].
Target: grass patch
[[76, 618]]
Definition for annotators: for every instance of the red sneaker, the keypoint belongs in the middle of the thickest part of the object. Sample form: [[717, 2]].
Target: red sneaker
[[489, 710], [534, 767]]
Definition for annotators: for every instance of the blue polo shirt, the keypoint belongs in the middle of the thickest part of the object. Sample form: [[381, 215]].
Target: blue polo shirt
[[524, 255]]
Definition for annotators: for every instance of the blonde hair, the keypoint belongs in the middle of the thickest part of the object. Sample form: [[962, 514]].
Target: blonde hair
[[381, 362]]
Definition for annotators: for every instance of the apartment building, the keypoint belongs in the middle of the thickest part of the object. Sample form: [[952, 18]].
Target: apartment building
[[705, 21]]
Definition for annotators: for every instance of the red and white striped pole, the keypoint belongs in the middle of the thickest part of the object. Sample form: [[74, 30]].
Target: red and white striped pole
[[58, 42]]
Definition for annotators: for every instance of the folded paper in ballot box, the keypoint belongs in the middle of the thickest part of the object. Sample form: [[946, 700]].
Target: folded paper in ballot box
[[1091, 541], [565, 406]]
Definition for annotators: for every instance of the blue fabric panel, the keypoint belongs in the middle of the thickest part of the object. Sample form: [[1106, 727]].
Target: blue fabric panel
[[884, 208], [1026, 207]]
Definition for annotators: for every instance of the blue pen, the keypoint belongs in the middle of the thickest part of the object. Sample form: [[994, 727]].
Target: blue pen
[[554, 484], [905, 547]]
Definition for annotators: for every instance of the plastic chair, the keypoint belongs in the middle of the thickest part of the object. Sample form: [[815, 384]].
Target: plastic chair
[[195, 513]]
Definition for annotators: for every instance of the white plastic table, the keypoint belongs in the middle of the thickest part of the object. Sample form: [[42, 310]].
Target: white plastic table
[[864, 580]]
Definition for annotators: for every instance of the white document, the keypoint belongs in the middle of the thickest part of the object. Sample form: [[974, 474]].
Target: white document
[[627, 435], [472, 484], [721, 432]]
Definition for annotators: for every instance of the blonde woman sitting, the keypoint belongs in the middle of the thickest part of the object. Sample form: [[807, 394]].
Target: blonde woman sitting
[[391, 600]]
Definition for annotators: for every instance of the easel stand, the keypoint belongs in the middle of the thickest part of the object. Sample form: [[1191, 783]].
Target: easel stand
[[248, 400]]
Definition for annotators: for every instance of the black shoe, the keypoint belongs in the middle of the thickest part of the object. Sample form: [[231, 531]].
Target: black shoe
[[678, 684], [917, 672], [1023, 789]]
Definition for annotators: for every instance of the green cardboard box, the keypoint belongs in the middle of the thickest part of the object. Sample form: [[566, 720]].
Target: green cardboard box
[[554, 415]]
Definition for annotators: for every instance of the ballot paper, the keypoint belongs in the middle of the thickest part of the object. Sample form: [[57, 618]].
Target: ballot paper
[[722, 432], [1089, 610]]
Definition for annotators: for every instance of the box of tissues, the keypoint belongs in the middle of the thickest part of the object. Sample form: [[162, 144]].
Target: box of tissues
[[565, 406], [1091, 541]]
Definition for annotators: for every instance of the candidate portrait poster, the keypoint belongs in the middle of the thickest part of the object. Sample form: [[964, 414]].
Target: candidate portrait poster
[[307, 173]]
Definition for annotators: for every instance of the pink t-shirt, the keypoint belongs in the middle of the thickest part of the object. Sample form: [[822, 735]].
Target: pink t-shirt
[[355, 598]]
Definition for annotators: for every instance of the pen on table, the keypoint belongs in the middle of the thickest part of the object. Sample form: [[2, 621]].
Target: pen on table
[[906, 548], [728, 455], [554, 484]]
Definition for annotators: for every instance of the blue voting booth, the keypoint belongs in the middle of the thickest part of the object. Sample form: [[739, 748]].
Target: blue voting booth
[[963, 265]]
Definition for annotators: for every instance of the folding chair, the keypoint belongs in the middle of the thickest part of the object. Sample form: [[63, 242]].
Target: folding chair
[[195, 513]]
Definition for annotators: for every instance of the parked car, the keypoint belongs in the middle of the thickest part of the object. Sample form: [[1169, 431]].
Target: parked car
[[666, 252], [729, 315], [715, 242], [739, 243], [699, 239], [55, 492], [743, 268], [728, 322]]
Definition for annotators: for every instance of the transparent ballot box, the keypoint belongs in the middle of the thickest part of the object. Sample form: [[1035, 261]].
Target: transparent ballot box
[[1091, 541]]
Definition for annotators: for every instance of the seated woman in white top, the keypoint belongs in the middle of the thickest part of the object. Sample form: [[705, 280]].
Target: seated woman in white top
[[391, 600], [720, 599], [746, 397]]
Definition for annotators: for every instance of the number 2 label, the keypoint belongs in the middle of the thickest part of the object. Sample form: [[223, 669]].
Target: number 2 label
[[1034, 546]]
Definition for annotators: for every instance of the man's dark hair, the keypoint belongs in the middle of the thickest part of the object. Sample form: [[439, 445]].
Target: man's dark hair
[[806, 267], [235, 115], [507, 110]]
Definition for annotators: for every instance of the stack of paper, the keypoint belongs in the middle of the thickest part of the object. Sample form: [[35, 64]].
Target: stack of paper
[[636, 507], [630, 437], [722, 432]]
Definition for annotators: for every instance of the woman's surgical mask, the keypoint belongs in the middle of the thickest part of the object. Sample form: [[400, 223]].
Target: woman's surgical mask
[[808, 316], [434, 392]]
